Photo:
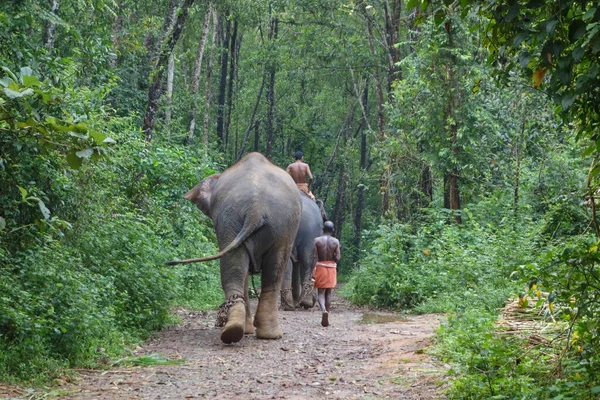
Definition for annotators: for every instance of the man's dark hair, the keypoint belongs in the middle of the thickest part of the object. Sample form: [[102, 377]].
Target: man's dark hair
[[299, 155], [328, 227]]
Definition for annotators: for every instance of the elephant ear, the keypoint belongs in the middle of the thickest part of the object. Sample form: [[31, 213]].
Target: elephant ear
[[322, 209], [202, 193]]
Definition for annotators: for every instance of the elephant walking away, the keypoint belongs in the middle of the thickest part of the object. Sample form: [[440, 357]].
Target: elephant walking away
[[297, 287], [255, 208]]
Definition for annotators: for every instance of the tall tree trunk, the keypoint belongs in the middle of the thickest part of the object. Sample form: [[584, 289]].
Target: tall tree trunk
[[155, 92], [232, 67], [363, 167], [452, 192], [170, 76], [378, 86], [518, 152], [196, 74], [426, 184], [256, 135], [224, 60], [339, 209], [51, 26], [209, 70], [167, 26], [392, 25], [243, 146], [271, 92]]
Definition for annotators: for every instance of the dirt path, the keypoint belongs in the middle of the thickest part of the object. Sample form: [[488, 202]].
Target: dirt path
[[348, 360]]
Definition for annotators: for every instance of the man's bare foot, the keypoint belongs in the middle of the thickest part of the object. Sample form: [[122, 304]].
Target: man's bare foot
[[325, 319]]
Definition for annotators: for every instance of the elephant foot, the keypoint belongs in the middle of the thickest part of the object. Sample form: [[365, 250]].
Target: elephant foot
[[266, 320], [233, 331], [307, 303], [325, 319], [269, 333]]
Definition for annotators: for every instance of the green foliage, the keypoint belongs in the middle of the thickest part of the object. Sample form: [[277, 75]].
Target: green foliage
[[485, 365], [440, 267]]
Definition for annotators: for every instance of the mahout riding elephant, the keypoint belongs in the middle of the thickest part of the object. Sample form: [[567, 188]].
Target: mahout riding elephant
[[255, 208], [297, 288]]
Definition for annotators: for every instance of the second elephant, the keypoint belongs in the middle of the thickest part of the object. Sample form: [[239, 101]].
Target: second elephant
[[296, 288]]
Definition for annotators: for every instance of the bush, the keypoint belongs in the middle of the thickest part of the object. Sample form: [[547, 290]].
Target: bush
[[88, 281], [441, 267]]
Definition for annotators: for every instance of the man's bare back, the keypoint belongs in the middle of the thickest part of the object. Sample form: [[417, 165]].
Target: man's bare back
[[299, 170], [326, 248]]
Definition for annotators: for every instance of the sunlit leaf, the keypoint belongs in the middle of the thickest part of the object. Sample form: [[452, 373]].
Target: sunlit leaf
[[538, 76], [85, 153], [13, 94], [98, 137], [44, 209], [23, 192], [30, 81]]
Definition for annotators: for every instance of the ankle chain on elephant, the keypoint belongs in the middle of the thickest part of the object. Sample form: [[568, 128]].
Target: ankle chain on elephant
[[284, 303], [306, 289], [223, 311]]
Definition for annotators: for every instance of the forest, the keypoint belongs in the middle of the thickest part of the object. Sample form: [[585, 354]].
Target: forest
[[455, 145]]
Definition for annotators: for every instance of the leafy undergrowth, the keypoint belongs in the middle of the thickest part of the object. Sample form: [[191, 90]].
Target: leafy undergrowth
[[86, 285], [469, 272]]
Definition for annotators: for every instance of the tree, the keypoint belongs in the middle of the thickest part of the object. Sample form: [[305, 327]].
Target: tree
[[196, 73], [155, 90]]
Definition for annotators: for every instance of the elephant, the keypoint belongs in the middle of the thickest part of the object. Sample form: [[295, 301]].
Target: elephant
[[255, 207], [297, 288]]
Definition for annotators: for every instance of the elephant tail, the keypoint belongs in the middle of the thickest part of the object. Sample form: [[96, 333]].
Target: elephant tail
[[247, 230]]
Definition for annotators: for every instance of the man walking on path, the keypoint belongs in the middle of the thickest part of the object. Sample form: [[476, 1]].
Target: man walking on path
[[299, 169], [326, 255]]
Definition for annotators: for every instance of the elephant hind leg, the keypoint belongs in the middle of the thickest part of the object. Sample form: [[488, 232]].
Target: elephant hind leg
[[234, 274], [266, 320]]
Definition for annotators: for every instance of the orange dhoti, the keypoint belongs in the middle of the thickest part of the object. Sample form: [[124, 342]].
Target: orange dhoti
[[326, 275], [304, 187]]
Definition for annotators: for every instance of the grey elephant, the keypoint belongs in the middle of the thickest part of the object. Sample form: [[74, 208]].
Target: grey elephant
[[255, 208], [297, 287]]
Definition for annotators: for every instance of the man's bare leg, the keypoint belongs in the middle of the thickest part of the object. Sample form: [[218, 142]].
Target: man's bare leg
[[328, 299], [322, 304]]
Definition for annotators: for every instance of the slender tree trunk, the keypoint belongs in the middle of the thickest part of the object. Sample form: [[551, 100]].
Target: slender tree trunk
[[170, 76], [271, 93], [378, 86], [426, 184], [243, 146], [224, 60], [155, 92], [392, 25], [51, 26], [232, 67], [451, 120], [339, 209], [167, 26], [256, 135], [363, 167], [518, 152], [209, 70], [196, 74]]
